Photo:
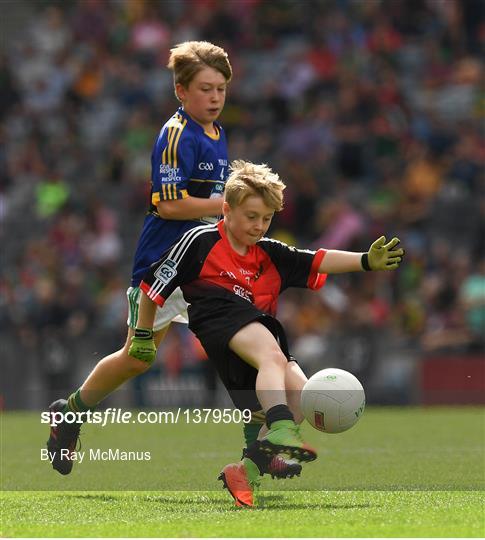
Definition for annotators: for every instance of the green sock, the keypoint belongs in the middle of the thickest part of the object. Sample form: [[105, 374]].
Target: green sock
[[252, 472], [76, 404], [282, 424], [251, 432]]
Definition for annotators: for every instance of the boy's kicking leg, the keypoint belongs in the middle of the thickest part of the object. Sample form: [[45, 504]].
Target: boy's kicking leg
[[279, 467], [295, 380], [257, 346], [109, 373]]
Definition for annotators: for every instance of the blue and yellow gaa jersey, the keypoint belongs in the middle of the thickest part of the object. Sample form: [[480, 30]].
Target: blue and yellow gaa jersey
[[186, 161]]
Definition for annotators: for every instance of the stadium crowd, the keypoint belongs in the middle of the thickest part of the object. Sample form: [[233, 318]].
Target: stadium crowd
[[371, 111]]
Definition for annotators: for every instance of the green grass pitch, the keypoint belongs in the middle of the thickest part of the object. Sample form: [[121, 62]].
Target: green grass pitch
[[397, 473]]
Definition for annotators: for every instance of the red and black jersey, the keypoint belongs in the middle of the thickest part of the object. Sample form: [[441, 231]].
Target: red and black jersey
[[204, 264], [226, 291]]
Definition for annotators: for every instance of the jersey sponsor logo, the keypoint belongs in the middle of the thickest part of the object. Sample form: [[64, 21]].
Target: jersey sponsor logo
[[223, 162], [242, 292], [166, 271], [170, 174], [206, 166], [217, 191]]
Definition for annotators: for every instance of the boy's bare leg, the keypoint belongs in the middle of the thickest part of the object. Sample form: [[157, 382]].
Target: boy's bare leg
[[256, 345], [295, 380], [109, 374], [114, 370]]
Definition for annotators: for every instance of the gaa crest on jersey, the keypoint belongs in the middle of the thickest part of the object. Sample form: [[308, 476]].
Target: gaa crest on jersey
[[166, 271], [203, 166]]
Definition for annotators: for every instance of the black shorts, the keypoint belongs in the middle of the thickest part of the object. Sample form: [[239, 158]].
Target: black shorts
[[215, 326]]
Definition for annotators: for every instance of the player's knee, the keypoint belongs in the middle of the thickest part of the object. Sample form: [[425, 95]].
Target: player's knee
[[278, 359]]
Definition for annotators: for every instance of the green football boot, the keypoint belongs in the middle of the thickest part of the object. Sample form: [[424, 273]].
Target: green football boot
[[284, 438], [278, 467]]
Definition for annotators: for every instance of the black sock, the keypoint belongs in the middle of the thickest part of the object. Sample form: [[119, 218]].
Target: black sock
[[278, 412]]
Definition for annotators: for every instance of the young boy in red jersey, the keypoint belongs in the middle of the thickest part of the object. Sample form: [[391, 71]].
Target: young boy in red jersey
[[231, 276]]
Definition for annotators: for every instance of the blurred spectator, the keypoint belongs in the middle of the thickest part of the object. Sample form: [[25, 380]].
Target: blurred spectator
[[52, 193], [342, 224], [472, 296]]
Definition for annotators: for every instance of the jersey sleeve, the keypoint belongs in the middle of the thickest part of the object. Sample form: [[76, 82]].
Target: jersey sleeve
[[172, 162], [179, 265], [297, 267]]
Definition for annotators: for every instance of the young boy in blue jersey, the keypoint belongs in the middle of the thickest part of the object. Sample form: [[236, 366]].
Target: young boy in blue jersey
[[232, 277], [189, 170]]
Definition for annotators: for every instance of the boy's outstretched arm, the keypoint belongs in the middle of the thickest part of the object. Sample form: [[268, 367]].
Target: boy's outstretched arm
[[142, 345], [381, 256]]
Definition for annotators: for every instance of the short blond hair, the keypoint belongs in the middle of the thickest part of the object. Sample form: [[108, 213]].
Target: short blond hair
[[188, 58], [248, 179]]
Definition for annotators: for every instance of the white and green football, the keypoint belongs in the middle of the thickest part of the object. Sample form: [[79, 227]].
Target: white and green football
[[332, 400]]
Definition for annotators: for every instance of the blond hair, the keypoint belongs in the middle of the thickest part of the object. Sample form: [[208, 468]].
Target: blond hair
[[188, 58], [248, 179]]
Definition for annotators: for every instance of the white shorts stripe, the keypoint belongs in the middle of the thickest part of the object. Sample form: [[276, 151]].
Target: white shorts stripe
[[174, 310]]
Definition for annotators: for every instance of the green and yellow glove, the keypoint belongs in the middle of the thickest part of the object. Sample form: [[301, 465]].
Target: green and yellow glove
[[382, 256], [142, 345]]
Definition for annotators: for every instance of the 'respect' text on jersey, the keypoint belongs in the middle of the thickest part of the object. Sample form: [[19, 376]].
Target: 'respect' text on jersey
[[186, 161]]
